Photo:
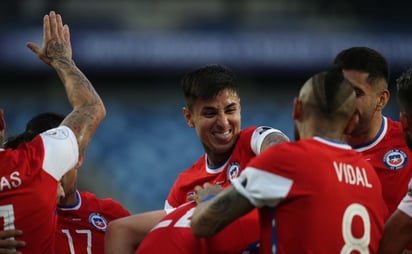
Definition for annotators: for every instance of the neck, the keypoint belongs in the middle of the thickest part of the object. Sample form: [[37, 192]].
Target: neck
[[69, 199], [368, 135], [321, 129]]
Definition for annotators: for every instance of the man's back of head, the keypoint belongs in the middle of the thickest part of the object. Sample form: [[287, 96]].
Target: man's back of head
[[36, 125], [404, 91], [404, 96], [330, 95]]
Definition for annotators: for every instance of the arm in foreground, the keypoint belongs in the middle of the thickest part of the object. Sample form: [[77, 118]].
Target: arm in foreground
[[397, 233], [124, 235], [212, 216], [7, 245]]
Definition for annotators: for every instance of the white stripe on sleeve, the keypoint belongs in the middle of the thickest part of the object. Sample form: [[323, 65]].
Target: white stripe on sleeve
[[406, 205], [262, 188], [259, 136], [61, 151]]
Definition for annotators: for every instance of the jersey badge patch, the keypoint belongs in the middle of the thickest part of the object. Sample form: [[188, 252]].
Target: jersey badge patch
[[233, 171], [98, 221], [190, 195], [395, 159], [57, 133]]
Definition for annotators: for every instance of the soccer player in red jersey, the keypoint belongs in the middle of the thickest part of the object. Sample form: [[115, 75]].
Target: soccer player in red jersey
[[323, 196], [82, 217], [31, 173], [398, 229], [82, 222], [202, 171], [213, 109], [173, 235], [379, 138]]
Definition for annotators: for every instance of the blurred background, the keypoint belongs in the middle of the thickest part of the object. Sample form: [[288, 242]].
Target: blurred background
[[136, 51]]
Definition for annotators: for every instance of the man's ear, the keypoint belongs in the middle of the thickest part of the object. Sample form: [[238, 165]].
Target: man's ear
[[383, 99], [188, 117], [297, 109], [353, 121]]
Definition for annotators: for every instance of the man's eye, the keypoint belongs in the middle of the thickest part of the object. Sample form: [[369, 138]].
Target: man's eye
[[209, 114], [358, 92]]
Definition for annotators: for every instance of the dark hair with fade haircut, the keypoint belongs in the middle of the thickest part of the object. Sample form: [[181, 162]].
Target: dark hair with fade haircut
[[404, 91], [364, 59], [206, 83], [35, 126], [331, 90]]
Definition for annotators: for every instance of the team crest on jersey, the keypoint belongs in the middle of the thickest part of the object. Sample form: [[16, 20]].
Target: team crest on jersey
[[190, 195], [395, 159], [98, 221], [233, 171]]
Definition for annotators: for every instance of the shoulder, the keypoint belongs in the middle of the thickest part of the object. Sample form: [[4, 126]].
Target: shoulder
[[394, 128], [103, 205], [248, 131], [285, 150], [61, 145], [254, 131], [61, 132], [195, 167]]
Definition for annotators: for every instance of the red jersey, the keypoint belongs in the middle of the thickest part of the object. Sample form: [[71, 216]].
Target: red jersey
[[28, 189], [81, 227], [389, 155], [173, 235], [247, 146], [326, 197]]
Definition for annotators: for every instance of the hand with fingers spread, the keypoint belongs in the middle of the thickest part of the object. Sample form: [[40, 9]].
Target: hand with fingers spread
[[56, 51], [56, 40], [42, 161]]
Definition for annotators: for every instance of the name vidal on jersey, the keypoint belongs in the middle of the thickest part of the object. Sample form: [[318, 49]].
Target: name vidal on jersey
[[10, 182], [349, 174]]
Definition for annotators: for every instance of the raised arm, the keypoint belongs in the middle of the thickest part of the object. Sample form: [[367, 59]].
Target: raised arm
[[88, 109]]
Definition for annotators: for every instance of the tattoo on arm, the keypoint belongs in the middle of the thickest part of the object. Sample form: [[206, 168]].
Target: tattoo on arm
[[223, 210], [273, 139], [83, 120]]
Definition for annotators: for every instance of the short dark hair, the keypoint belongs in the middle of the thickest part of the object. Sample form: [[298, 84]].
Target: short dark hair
[[364, 59], [35, 126], [404, 91], [206, 82], [331, 90]]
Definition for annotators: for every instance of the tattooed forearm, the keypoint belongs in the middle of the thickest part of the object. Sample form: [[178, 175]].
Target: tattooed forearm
[[56, 51], [211, 217], [88, 109]]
